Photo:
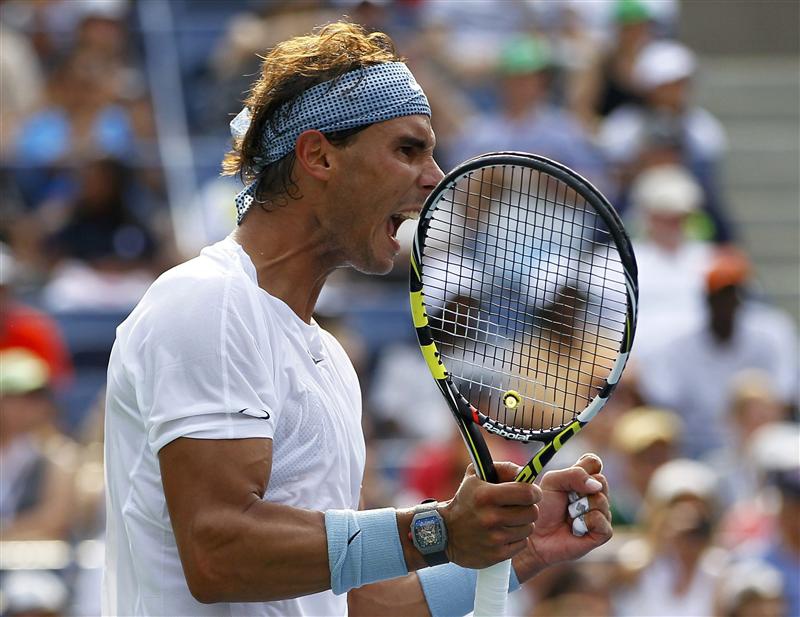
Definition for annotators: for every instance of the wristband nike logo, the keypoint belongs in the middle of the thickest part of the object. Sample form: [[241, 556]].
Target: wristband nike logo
[[353, 537]]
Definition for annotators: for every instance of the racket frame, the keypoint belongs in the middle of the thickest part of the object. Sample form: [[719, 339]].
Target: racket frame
[[468, 418]]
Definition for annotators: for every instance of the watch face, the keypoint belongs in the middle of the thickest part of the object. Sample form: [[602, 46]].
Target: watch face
[[428, 532]]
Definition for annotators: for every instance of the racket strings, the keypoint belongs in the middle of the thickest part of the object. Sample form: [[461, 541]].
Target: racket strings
[[524, 294], [466, 218]]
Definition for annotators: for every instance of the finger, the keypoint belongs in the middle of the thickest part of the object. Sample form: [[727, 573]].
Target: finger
[[509, 550], [591, 463], [573, 478], [509, 535], [578, 507], [506, 471], [587, 503], [579, 527], [598, 525], [602, 480], [513, 494], [519, 515]]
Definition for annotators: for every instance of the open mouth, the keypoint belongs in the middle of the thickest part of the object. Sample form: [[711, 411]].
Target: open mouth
[[398, 219]]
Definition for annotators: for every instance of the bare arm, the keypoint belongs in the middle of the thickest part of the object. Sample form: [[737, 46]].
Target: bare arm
[[234, 546], [551, 542]]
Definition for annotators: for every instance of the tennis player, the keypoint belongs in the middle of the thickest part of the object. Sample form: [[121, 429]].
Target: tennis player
[[234, 450]]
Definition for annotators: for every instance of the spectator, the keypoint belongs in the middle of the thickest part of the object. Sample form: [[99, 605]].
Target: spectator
[[21, 83], [679, 577], [753, 404], [765, 526], [83, 118], [464, 39], [693, 372], [34, 593], [22, 326], [667, 128], [403, 411], [671, 266], [783, 550], [571, 591], [607, 83], [750, 588], [37, 462], [105, 254], [644, 438], [526, 120]]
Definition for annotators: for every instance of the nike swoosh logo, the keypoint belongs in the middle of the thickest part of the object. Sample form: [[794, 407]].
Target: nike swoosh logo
[[317, 361], [261, 414], [353, 537]]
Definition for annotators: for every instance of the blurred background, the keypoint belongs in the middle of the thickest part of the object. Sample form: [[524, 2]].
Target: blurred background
[[114, 119]]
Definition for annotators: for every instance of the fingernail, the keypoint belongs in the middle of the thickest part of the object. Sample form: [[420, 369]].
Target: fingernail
[[593, 485]]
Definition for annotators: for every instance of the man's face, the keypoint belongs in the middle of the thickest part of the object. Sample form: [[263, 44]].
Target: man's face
[[671, 96], [666, 228], [379, 180]]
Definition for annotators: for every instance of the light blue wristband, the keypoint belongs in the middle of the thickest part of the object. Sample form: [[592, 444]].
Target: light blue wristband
[[363, 547], [450, 589]]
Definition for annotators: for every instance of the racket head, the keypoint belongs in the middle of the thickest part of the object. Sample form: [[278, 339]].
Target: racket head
[[523, 292]]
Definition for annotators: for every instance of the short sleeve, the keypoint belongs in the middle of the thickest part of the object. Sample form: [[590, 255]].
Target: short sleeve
[[205, 368]]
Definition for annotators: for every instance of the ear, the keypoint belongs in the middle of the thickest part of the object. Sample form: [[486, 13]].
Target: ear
[[312, 152]]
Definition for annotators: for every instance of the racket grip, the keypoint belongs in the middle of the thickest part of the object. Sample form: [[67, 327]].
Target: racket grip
[[491, 590]]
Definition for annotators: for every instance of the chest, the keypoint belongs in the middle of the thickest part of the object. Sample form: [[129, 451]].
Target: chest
[[318, 447]]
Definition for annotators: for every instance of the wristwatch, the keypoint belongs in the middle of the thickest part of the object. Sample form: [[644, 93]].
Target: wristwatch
[[429, 533]]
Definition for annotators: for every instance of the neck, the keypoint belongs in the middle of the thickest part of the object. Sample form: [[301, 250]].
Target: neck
[[290, 253]]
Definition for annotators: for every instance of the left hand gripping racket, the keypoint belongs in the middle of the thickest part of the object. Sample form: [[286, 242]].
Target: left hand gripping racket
[[523, 295]]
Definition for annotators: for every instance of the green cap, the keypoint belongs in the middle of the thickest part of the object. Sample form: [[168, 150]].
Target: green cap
[[524, 54], [630, 12], [22, 371]]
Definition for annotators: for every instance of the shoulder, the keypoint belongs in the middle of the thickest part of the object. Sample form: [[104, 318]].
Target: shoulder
[[621, 133], [197, 297], [706, 131]]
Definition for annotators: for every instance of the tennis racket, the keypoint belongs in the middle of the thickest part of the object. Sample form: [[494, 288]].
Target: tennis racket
[[523, 291]]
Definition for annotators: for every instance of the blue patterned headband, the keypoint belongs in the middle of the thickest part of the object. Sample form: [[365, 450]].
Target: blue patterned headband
[[358, 98]]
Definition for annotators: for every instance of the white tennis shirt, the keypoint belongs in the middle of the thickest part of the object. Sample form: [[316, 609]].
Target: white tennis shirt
[[208, 354]]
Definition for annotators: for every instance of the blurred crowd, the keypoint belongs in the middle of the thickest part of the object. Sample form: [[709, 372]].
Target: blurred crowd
[[103, 152]]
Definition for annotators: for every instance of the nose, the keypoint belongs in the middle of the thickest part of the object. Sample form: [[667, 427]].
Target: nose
[[431, 175]]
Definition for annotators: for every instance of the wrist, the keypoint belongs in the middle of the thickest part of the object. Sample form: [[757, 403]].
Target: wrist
[[414, 559], [527, 564], [429, 533], [426, 535]]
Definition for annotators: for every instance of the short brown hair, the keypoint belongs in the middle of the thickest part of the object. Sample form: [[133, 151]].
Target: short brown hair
[[288, 70]]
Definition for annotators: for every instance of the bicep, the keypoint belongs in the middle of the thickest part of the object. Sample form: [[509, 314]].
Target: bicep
[[211, 478]]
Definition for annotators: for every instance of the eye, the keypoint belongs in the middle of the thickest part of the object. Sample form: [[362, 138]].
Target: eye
[[407, 151]]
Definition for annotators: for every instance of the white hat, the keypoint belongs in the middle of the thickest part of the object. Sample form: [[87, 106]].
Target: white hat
[[33, 591], [775, 447], [749, 577], [682, 477], [668, 189], [663, 62]]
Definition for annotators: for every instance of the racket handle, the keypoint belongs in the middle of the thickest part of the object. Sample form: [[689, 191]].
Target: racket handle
[[491, 590]]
